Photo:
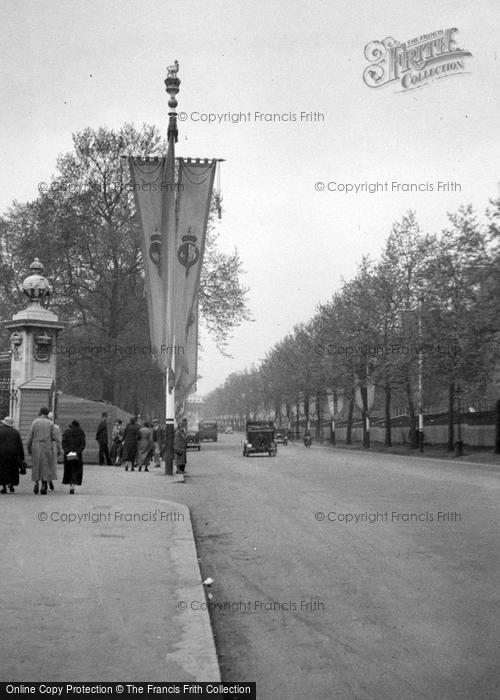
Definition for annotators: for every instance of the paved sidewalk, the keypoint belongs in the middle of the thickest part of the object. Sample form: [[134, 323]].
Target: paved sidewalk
[[94, 586]]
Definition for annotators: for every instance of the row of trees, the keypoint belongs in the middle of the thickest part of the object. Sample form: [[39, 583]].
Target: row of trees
[[84, 229], [426, 310]]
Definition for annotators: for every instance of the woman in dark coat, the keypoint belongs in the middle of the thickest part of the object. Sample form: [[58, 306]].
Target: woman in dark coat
[[180, 447], [145, 447], [11, 455], [73, 444], [130, 443]]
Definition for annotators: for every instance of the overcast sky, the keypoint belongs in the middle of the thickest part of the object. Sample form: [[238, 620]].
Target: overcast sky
[[70, 64]]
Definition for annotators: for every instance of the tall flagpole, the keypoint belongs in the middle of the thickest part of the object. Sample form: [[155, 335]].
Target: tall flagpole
[[172, 83]]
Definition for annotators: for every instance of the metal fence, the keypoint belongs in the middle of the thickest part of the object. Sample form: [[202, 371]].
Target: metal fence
[[5, 383]]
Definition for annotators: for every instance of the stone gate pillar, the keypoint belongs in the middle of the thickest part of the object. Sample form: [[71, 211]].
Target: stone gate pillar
[[33, 338]]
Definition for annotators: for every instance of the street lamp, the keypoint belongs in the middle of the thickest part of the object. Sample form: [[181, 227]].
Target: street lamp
[[420, 380], [459, 445]]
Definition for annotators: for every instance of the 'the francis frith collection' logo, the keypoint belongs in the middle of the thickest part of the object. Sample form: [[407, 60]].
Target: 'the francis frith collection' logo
[[414, 63], [188, 253]]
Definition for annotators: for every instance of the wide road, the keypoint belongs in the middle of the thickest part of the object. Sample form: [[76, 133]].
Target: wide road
[[403, 603]]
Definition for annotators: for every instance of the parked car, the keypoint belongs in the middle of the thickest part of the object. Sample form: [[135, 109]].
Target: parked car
[[259, 439], [228, 430]]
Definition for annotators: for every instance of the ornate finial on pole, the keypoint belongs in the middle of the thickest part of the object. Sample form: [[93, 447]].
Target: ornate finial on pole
[[172, 83]]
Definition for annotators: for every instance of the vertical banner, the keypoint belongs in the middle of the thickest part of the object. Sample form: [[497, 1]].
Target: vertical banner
[[195, 186], [173, 214], [147, 176]]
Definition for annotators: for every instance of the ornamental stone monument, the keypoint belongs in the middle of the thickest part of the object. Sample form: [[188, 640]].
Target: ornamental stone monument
[[33, 338]]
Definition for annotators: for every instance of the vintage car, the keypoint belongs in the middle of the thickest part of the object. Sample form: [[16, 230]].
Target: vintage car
[[193, 439], [259, 438], [208, 430], [281, 436]]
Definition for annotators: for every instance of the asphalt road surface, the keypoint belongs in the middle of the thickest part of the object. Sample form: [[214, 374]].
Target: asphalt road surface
[[338, 574], [403, 603]]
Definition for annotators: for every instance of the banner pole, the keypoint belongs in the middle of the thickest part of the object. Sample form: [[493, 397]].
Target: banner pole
[[169, 420], [172, 84]]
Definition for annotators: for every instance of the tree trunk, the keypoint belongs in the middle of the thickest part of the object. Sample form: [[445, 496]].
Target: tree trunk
[[387, 408], [108, 388], [413, 419], [277, 412], [451, 416], [497, 428], [297, 424], [318, 417], [350, 414]]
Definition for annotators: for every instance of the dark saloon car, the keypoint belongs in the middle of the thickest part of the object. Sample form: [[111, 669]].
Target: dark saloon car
[[259, 438]]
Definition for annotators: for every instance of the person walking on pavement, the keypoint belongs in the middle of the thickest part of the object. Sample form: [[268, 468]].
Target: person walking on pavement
[[40, 438], [144, 447], [116, 442], [180, 447], [73, 444], [11, 455], [130, 439], [102, 438], [57, 449], [156, 442]]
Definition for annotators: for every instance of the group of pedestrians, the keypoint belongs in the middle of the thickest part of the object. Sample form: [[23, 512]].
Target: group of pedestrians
[[137, 445], [45, 445], [141, 445]]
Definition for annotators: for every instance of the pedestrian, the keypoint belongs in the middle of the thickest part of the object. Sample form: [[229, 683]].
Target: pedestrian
[[180, 447], [40, 438], [102, 438], [156, 442], [11, 455], [130, 440], [145, 446], [73, 444], [116, 442], [57, 449]]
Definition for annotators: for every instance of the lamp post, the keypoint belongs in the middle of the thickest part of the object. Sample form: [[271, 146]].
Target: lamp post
[[420, 380], [459, 445]]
